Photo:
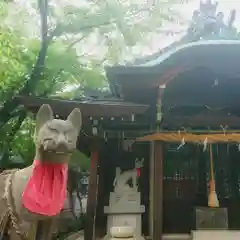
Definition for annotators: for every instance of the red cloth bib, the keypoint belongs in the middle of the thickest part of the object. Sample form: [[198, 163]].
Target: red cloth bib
[[46, 190], [138, 172]]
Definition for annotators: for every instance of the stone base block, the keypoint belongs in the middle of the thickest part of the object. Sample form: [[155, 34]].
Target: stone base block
[[211, 218]]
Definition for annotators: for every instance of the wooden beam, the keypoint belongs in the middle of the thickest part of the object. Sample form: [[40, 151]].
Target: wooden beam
[[151, 190], [89, 230], [158, 191], [92, 108], [203, 120]]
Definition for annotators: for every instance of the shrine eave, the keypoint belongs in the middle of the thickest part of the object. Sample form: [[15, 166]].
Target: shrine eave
[[209, 53], [88, 108]]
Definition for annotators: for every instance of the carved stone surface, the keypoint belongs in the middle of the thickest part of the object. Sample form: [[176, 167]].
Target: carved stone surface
[[120, 183], [211, 218], [125, 209]]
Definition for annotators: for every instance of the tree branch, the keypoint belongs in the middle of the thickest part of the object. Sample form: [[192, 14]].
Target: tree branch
[[75, 42], [58, 29]]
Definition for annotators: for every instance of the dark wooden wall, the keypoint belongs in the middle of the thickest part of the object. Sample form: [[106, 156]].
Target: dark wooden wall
[[112, 156], [184, 186], [186, 176], [227, 158], [142, 150], [179, 188]]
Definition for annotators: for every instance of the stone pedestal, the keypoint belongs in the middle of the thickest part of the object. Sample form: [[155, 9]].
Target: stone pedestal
[[211, 218], [125, 211]]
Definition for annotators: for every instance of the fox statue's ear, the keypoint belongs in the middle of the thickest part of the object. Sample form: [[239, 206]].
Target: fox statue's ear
[[44, 115], [75, 117]]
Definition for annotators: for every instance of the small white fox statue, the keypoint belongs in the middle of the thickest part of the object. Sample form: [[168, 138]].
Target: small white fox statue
[[121, 179]]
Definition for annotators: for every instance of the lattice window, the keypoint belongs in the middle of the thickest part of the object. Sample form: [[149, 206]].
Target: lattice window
[[180, 171]]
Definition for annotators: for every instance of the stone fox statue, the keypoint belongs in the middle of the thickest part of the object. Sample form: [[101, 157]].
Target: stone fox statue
[[121, 179], [33, 197]]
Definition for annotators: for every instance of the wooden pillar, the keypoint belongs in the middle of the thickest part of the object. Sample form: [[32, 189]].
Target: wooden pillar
[[100, 224], [151, 189], [89, 230], [157, 214], [156, 176]]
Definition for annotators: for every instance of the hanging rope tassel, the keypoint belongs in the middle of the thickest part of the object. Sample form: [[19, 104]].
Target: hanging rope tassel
[[212, 197]]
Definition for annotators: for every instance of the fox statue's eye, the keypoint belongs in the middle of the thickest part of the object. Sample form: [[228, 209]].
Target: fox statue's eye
[[54, 130]]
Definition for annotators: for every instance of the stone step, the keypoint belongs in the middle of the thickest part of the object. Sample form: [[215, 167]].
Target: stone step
[[177, 237], [196, 235], [215, 234]]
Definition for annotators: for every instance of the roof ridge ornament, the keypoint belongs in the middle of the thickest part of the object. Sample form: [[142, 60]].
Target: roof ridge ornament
[[208, 6], [208, 24]]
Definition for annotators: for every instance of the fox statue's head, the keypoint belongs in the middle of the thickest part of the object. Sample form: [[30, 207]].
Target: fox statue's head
[[56, 139]]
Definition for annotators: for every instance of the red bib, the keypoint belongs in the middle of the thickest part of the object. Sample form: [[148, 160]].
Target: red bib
[[138, 172], [46, 189]]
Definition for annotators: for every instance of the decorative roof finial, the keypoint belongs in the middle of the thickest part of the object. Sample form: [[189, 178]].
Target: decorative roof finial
[[232, 18], [208, 7]]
